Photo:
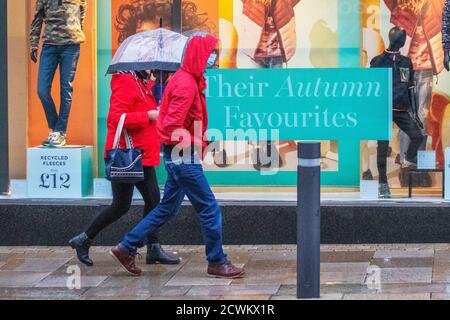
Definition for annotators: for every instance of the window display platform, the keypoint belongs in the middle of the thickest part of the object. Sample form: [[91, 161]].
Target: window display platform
[[421, 195], [249, 218]]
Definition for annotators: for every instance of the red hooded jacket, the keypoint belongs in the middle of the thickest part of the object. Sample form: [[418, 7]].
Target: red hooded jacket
[[126, 97], [183, 116]]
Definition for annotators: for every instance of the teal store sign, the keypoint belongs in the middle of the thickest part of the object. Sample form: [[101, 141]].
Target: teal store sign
[[347, 105], [300, 104]]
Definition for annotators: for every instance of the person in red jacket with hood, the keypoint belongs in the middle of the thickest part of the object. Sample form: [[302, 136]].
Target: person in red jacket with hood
[[182, 124], [131, 95]]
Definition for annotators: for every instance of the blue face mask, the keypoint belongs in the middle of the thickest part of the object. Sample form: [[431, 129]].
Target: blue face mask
[[212, 60]]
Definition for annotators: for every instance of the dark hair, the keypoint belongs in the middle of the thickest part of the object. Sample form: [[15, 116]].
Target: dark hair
[[130, 14]]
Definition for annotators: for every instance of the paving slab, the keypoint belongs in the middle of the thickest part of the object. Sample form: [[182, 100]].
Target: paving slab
[[346, 256], [403, 262], [382, 296], [241, 290], [342, 277], [440, 296], [34, 264], [184, 298], [276, 276], [441, 277], [197, 281], [113, 294], [406, 275], [409, 253], [414, 288], [153, 281], [326, 296], [346, 288], [442, 255], [62, 281], [40, 294], [13, 279], [350, 267], [245, 297]]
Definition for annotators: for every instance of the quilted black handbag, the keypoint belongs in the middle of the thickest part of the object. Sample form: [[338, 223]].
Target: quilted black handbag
[[124, 165]]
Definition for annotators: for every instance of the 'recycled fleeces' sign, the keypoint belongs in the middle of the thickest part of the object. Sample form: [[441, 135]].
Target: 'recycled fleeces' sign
[[301, 104], [63, 173]]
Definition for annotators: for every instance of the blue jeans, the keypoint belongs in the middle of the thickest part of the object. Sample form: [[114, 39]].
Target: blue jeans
[[270, 63], [184, 178], [66, 57]]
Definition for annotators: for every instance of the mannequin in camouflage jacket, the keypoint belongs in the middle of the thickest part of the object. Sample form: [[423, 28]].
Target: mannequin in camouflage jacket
[[63, 34]]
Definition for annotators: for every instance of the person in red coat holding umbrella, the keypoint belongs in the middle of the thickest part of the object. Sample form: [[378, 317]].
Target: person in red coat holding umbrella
[[131, 95]]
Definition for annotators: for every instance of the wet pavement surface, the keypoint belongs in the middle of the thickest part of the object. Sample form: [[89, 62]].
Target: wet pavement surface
[[348, 272]]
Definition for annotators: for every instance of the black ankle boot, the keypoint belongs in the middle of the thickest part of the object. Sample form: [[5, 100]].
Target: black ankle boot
[[156, 254], [82, 244]]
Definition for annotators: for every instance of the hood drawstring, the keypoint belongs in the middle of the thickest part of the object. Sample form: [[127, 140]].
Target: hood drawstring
[[393, 53]]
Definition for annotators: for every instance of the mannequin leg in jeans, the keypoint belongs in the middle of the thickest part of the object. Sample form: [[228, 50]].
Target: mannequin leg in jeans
[[267, 155], [407, 125], [412, 130], [47, 70], [382, 152], [68, 67], [424, 81]]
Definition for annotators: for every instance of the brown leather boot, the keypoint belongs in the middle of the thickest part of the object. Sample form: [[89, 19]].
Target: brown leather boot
[[126, 260], [226, 271]]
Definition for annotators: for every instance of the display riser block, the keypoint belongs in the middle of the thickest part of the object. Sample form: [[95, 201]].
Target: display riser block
[[60, 173]]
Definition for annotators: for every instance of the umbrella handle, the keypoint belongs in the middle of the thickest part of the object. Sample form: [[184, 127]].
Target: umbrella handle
[[161, 86]]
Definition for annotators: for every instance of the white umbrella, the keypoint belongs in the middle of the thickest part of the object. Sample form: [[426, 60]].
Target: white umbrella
[[159, 49]]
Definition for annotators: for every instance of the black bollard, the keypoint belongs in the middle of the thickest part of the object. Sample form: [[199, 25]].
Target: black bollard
[[308, 221], [4, 158]]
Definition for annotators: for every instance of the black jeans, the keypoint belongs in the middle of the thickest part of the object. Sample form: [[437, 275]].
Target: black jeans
[[404, 121], [121, 204]]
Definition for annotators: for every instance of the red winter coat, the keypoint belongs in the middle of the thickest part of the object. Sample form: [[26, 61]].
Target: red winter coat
[[184, 103], [284, 18], [431, 19], [127, 98]]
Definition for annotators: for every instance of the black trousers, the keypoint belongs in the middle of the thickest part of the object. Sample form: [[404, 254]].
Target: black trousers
[[121, 204], [405, 122]]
